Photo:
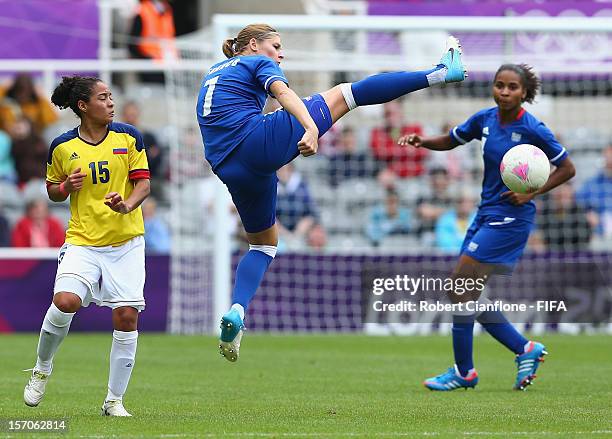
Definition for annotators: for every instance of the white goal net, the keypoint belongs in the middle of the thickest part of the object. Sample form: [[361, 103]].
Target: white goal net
[[362, 207]]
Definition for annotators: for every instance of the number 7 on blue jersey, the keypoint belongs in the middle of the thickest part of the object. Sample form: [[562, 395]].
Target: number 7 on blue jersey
[[209, 94]]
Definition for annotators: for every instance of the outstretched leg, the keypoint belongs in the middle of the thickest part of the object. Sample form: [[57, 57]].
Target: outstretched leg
[[385, 87]]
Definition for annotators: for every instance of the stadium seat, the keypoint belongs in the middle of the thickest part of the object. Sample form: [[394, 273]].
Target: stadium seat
[[10, 197]]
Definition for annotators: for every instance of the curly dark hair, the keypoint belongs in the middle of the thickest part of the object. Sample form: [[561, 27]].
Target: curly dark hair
[[73, 89], [530, 82]]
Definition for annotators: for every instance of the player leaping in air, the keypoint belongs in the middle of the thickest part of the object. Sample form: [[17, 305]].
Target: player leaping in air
[[245, 147], [499, 233]]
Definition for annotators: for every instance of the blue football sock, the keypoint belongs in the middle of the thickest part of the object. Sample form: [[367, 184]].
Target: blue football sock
[[463, 342], [249, 274], [502, 330], [384, 87]]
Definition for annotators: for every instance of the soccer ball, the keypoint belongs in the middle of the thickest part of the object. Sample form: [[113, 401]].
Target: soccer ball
[[524, 169]]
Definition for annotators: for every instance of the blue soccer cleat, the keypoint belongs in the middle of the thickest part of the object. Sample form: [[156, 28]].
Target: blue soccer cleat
[[527, 364], [452, 61], [451, 380], [232, 328]]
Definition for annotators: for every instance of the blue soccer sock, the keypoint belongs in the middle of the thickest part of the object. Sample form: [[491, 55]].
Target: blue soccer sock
[[384, 87], [250, 272], [463, 342], [503, 331]]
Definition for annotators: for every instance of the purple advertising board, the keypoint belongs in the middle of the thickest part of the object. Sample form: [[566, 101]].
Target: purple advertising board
[[328, 292], [489, 8], [49, 29], [26, 288], [566, 49]]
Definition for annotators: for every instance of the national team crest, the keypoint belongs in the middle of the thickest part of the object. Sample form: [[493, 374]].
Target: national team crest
[[516, 137], [485, 130]]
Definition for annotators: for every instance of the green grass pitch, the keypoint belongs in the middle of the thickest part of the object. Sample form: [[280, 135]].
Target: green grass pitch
[[315, 386]]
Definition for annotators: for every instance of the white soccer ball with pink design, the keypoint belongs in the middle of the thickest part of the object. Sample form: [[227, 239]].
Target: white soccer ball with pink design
[[524, 169]]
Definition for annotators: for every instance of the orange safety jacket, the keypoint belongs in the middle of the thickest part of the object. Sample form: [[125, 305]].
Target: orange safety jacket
[[155, 28]]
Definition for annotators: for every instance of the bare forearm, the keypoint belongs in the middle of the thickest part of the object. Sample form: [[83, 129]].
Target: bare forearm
[[559, 176], [438, 143], [55, 193], [294, 105], [141, 191]]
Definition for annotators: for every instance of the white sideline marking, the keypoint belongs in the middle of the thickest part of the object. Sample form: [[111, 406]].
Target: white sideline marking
[[349, 434]]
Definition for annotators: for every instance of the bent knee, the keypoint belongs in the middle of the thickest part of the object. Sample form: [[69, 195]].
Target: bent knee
[[67, 302], [125, 318]]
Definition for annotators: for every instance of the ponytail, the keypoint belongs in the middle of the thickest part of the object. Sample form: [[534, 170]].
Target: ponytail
[[233, 46]]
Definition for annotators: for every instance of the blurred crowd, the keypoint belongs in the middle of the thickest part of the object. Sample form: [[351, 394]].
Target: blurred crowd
[[361, 187], [423, 199]]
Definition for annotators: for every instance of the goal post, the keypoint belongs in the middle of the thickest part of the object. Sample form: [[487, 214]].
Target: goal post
[[309, 285]]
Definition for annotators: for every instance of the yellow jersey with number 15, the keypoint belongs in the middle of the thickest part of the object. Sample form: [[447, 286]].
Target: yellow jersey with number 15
[[111, 165]]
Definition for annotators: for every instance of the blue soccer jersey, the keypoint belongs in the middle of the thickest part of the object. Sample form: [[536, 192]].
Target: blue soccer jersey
[[231, 100], [497, 139]]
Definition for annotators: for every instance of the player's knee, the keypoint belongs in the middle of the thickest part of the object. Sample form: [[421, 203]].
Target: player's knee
[[67, 302], [125, 318], [346, 94]]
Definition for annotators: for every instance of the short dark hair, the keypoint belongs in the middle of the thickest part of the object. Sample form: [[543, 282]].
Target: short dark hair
[[529, 80]]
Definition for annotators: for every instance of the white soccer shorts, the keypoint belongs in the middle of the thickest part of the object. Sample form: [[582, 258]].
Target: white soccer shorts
[[108, 276]]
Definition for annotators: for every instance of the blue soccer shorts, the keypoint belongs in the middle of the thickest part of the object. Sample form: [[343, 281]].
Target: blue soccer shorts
[[495, 239], [249, 172]]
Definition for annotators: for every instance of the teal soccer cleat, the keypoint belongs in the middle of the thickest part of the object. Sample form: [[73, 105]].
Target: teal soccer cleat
[[232, 328], [451, 380], [452, 61], [527, 364]]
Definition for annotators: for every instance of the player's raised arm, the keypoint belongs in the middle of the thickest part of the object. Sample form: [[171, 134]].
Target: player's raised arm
[[434, 143], [293, 104]]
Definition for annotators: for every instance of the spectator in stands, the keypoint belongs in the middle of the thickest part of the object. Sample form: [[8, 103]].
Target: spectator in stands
[[563, 224], [317, 238], [155, 153], [7, 164], [21, 99], [388, 219], [452, 225], [404, 162], [431, 206], [596, 197], [329, 142], [38, 228], [349, 162], [157, 234], [153, 34], [29, 150], [296, 213]]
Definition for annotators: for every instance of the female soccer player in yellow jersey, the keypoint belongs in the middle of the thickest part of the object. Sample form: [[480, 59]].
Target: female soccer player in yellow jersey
[[102, 166]]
